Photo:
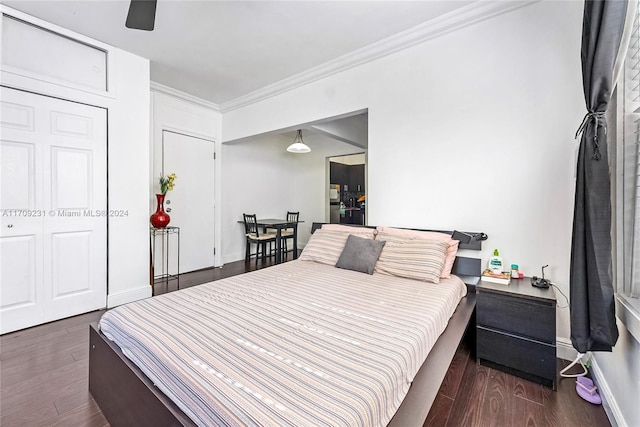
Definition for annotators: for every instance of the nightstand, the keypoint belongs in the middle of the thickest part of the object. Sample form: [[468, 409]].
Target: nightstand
[[516, 329]]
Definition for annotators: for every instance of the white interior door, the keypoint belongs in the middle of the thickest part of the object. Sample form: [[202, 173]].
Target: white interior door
[[191, 202], [53, 200]]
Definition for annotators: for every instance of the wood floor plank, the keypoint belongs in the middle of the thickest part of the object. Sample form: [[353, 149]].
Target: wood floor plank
[[75, 395], [26, 344], [86, 415], [81, 354], [530, 414], [36, 405], [568, 409], [528, 390], [47, 384], [37, 345], [32, 335], [439, 412], [467, 407], [26, 413], [497, 409], [34, 358], [452, 379], [528, 403], [34, 366]]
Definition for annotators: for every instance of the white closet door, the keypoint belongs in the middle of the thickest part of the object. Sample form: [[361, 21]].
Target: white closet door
[[53, 200], [191, 201]]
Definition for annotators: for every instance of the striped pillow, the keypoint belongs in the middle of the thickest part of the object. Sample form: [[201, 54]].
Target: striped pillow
[[351, 229], [418, 259], [325, 246], [429, 235]]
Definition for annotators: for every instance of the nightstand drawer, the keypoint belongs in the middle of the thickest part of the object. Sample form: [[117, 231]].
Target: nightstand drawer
[[529, 356], [519, 316]]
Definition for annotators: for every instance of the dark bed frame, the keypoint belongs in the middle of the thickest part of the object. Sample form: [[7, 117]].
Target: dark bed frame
[[127, 397]]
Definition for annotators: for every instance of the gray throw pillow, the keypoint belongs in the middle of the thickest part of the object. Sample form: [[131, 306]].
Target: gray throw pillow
[[360, 254]]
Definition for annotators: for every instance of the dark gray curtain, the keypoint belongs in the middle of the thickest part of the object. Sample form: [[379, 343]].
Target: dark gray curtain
[[593, 323]]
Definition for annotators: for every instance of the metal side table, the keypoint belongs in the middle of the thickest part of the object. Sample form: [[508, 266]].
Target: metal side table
[[165, 237]]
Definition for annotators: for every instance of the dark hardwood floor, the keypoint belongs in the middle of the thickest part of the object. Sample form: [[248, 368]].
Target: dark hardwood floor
[[474, 395], [44, 380], [210, 274]]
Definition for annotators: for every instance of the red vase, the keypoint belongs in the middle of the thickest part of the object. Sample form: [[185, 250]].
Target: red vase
[[160, 219]]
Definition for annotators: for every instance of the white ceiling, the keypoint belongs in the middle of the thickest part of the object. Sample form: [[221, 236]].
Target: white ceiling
[[221, 50]]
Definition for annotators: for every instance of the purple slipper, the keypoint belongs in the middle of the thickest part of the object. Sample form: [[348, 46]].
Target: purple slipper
[[587, 390]]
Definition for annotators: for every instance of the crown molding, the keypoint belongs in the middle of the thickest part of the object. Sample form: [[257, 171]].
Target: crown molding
[[455, 20], [160, 88]]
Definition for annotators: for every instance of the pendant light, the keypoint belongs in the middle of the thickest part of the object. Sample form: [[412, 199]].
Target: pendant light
[[298, 145]]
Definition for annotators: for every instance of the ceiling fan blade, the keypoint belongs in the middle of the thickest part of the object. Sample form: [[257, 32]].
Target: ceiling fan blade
[[142, 14]]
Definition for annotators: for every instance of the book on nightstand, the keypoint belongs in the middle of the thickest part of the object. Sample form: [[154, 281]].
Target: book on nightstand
[[503, 278]]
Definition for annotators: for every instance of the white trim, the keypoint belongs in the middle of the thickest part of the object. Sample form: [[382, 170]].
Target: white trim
[[128, 296], [160, 88], [233, 257], [628, 315], [186, 132], [625, 39], [463, 17], [565, 350], [608, 400]]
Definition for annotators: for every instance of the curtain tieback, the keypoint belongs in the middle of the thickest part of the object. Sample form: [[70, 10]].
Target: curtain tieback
[[598, 118]]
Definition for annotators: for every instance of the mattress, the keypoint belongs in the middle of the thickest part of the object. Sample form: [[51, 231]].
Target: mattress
[[297, 344]]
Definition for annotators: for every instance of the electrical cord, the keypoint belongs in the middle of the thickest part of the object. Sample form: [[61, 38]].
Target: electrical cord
[[565, 297], [571, 365], [578, 359]]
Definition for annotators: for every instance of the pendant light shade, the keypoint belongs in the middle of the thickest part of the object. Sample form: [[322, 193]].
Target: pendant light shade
[[298, 145]]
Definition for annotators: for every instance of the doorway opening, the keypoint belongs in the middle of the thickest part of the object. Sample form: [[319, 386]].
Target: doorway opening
[[347, 189]]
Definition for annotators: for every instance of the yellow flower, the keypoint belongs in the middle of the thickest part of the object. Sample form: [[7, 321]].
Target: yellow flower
[[167, 182]]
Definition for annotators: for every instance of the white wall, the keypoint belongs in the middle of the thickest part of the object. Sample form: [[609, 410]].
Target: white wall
[[127, 102], [261, 177], [182, 113], [128, 176], [472, 130]]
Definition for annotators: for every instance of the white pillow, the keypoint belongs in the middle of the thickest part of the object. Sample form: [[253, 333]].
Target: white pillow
[[419, 259], [325, 246], [391, 233]]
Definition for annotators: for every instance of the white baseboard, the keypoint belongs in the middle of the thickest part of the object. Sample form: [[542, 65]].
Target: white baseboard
[[608, 400], [131, 295], [232, 257], [565, 350]]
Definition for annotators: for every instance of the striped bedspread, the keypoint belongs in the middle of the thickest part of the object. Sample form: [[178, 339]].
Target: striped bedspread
[[297, 344]]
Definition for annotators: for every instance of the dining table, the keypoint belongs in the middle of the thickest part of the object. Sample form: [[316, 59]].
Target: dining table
[[279, 225]]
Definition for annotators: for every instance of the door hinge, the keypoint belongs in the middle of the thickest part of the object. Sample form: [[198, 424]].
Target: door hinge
[[214, 251], [214, 156]]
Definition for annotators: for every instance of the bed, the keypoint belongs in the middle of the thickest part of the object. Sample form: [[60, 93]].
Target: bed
[[300, 343]]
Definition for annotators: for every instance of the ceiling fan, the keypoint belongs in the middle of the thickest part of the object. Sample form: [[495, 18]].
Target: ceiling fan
[[142, 15]]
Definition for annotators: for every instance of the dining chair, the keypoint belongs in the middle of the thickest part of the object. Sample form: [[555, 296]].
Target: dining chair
[[289, 233], [253, 235]]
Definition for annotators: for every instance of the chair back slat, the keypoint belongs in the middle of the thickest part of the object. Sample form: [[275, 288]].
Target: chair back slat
[[251, 224], [293, 216]]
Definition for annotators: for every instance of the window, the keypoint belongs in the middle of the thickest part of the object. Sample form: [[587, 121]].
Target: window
[[626, 164]]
